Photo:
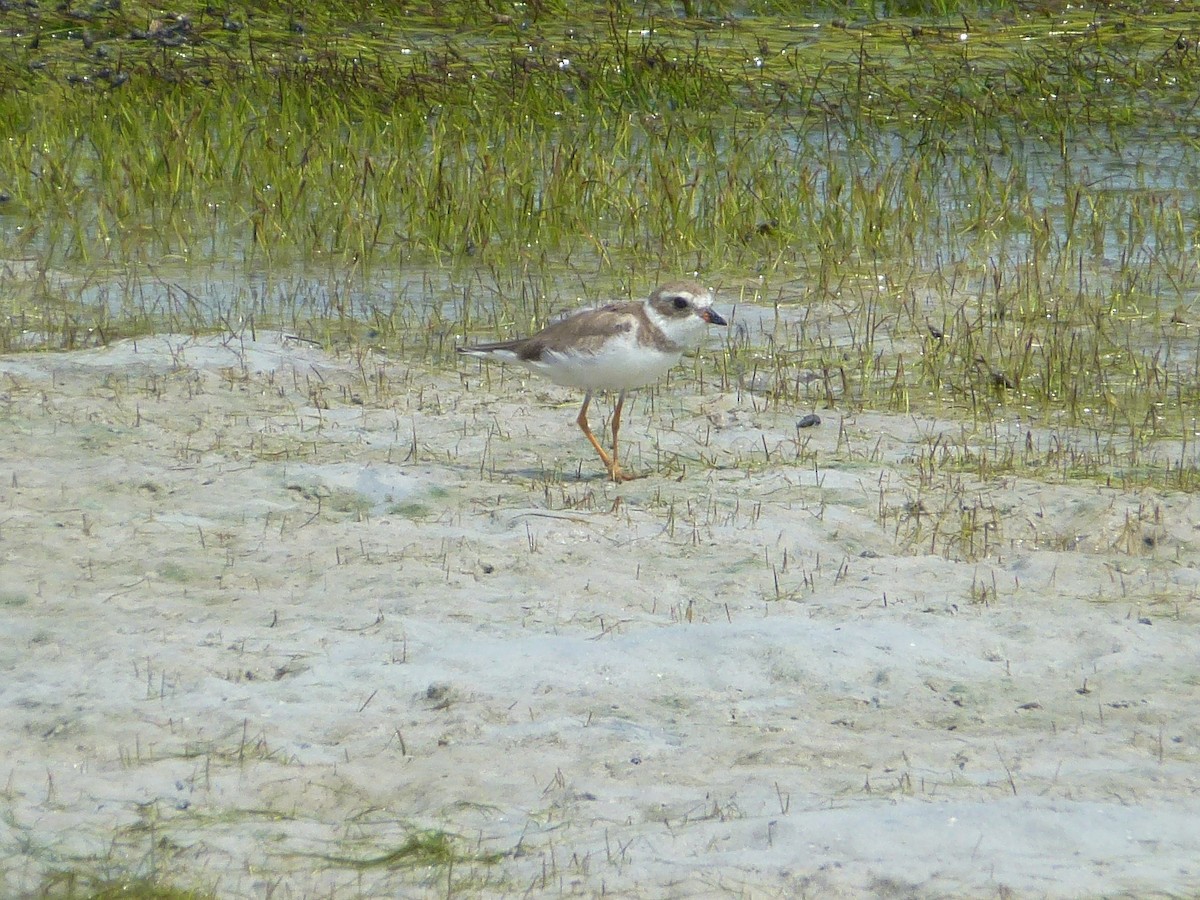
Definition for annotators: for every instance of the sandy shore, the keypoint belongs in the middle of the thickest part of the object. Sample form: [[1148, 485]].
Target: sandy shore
[[272, 615]]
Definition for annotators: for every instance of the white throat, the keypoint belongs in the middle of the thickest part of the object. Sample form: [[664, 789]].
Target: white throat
[[686, 332]]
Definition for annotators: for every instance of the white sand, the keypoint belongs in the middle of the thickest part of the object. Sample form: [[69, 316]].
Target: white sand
[[266, 613]]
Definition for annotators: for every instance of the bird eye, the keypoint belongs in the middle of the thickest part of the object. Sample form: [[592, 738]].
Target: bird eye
[[680, 303]]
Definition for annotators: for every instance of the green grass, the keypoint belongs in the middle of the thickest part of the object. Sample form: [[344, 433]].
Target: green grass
[[72, 885], [425, 850], [1017, 180], [421, 849], [665, 141]]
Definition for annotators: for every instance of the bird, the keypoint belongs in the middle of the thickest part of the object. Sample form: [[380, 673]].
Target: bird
[[619, 347]]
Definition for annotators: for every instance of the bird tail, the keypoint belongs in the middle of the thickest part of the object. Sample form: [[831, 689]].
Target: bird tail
[[483, 351]]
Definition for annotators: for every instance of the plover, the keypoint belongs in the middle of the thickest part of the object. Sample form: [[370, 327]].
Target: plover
[[618, 347]]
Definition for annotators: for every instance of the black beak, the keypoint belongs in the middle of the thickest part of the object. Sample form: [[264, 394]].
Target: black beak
[[712, 317]]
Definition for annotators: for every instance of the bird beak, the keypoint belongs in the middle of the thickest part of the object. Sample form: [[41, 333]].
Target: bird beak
[[712, 317]]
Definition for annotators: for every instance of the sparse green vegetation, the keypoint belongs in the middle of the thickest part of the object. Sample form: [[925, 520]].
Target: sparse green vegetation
[[410, 510], [422, 848], [980, 221], [993, 209], [76, 886]]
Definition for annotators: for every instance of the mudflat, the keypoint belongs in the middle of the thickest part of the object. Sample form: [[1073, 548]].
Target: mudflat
[[280, 621]]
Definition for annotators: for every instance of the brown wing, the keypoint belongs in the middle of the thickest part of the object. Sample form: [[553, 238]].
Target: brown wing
[[584, 331]]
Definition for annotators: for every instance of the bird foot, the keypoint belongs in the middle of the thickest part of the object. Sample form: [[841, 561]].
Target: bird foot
[[617, 474]]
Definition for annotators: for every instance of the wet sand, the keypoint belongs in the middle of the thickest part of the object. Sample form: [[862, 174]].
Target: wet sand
[[271, 612]]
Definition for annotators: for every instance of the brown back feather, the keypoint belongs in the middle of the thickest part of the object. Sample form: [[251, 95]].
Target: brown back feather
[[586, 330]]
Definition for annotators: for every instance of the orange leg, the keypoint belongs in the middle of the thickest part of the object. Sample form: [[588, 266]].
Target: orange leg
[[610, 462], [615, 472]]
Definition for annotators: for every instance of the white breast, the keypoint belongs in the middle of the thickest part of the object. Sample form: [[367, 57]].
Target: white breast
[[620, 365]]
